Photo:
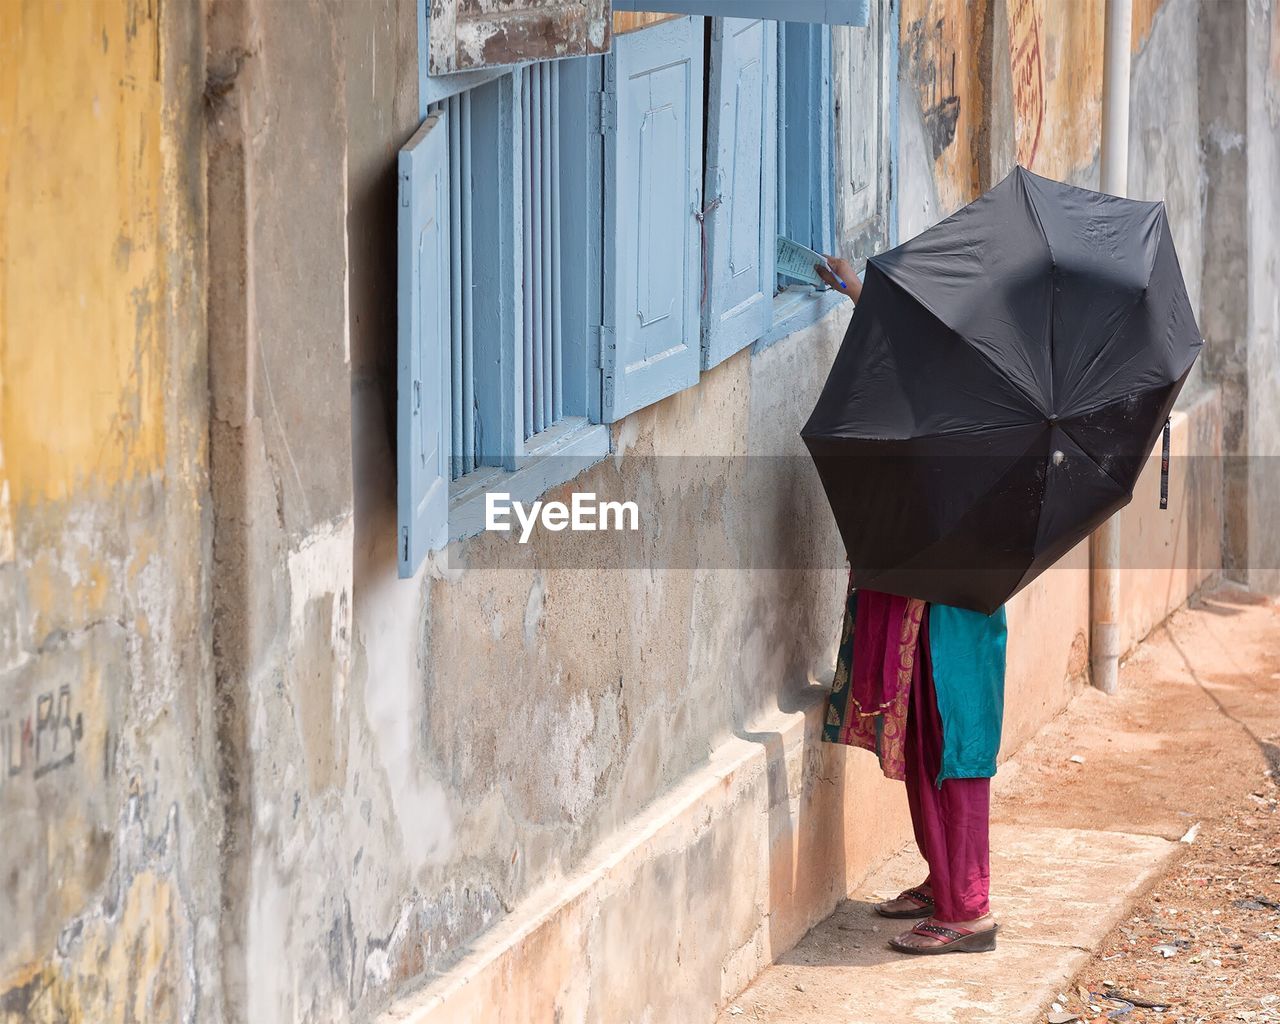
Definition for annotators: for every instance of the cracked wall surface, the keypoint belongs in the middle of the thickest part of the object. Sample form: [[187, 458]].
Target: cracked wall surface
[[107, 789]]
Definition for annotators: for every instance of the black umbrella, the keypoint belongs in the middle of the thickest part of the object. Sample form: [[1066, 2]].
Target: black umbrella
[[1000, 387]]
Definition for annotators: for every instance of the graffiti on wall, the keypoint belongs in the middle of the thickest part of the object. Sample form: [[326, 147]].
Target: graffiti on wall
[[1057, 88], [41, 740], [940, 42], [932, 67], [1026, 61]]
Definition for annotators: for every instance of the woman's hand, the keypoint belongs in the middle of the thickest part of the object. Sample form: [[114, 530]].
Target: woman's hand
[[843, 279]]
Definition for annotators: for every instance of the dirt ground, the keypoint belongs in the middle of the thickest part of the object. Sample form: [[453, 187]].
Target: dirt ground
[[1204, 944]]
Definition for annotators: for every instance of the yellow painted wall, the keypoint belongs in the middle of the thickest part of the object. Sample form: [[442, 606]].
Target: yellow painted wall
[[82, 278], [103, 435], [1144, 16]]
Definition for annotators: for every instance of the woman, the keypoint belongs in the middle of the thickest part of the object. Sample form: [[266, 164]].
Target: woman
[[923, 686]]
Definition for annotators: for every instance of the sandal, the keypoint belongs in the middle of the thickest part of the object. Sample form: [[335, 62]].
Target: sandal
[[922, 899], [956, 940]]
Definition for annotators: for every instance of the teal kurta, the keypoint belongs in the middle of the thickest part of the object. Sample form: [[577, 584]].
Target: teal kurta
[[967, 652]]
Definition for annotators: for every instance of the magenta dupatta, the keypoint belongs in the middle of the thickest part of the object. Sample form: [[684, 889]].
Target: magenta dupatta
[[884, 649], [877, 664]]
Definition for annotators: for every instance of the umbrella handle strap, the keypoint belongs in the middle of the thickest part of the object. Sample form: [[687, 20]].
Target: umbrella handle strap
[[1164, 467]]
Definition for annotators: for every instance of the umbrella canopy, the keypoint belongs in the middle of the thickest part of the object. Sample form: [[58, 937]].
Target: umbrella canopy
[[999, 389]]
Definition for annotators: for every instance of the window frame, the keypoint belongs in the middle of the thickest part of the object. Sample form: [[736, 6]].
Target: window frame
[[526, 468]]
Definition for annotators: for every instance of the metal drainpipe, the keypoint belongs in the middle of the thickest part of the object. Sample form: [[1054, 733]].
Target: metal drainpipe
[[1104, 545]]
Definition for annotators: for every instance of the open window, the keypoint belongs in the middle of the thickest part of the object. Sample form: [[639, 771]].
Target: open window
[[580, 238]]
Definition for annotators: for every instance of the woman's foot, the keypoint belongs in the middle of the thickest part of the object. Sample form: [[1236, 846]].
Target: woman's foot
[[934, 936], [917, 902]]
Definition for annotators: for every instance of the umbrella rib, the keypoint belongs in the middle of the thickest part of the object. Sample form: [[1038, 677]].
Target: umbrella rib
[[1089, 455], [1053, 291], [991, 363], [1137, 304], [1091, 409], [1022, 581], [1124, 322]]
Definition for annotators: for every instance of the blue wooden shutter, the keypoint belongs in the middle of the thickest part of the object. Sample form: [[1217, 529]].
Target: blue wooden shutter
[[867, 139], [422, 366], [806, 143], [651, 115], [829, 12], [741, 187]]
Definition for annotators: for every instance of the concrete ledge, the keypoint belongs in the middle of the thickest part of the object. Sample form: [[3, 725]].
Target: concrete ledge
[[1057, 893], [679, 911]]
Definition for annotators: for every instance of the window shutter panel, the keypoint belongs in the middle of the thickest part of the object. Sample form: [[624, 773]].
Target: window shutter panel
[[422, 367], [652, 120], [468, 34], [741, 186], [829, 12], [809, 117], [867, 101]]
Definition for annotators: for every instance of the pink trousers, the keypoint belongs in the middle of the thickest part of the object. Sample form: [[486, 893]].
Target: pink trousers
[[951, 821]]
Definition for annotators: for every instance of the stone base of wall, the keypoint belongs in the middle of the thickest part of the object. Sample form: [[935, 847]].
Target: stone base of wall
[[677, 913]]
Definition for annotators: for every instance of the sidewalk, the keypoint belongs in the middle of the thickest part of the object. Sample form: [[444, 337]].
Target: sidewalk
[[1194, 727]]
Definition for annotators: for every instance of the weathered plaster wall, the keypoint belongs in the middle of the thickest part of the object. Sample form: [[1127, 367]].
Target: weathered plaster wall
[[946, 58], [1262, 117], [1167, 555], [107, 773], [293, 209], [533, 709], [988, 84], [1164, 130], [1240, 141]]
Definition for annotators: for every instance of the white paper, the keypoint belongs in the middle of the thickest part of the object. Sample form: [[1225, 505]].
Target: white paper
[[796, 261]]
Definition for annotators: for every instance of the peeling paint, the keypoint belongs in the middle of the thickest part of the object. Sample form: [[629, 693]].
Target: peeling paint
[[103, 648], [482, 33]]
